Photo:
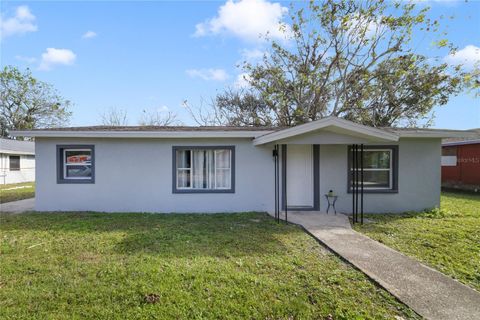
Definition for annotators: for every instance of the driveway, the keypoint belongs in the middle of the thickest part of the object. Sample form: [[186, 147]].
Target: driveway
[[429, 292], [18, 206]]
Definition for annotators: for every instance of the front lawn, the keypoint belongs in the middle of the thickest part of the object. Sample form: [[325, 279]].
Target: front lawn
[[139, 266], [447, 239], [16, 191]]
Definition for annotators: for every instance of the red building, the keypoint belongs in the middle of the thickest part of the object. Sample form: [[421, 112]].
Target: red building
[[461, 165]]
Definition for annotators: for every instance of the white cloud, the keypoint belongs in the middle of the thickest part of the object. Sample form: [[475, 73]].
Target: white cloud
[[468, 57], [22, 22], [89, 34], [358, 24], [208, 74], [253, 54], [247, 19], [29, 60], [372, 28], [242, 81], [163, 109], [53, 57]]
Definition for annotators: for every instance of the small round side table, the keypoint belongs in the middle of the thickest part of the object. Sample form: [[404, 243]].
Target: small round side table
[[331, 202]]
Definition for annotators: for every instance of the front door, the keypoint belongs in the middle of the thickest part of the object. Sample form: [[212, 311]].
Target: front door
[[299, 176]]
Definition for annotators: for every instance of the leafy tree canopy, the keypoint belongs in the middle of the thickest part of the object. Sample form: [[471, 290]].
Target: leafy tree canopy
[[26, 103], [351, 59]]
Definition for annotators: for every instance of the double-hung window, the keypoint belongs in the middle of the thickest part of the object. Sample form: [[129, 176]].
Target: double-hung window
[[380, 169], [203, 169], [75, 164], [14, 163]]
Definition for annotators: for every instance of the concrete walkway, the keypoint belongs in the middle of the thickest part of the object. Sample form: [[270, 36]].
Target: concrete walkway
[[429, 292], [18, 206]]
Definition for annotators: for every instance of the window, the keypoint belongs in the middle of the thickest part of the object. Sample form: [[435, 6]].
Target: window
[[203, 169], [449, 156], [14, 163], [380, 169], [75, 164]]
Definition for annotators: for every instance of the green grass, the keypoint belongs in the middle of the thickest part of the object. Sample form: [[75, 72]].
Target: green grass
[[447, 239], [223, 266], [16, 194]]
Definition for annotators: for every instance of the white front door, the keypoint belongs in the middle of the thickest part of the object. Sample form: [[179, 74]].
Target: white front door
[[299, 175]]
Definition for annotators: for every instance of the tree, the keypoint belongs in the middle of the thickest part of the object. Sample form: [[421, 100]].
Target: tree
[[233, 108], [350, 59], [243, 108], [206, 115], [27, 103], [158, 118], [404, 92], [114, 117]]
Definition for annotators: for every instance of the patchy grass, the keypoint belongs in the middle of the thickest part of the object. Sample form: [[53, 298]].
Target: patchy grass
[[20, 191], [138, 266], [447, 239]]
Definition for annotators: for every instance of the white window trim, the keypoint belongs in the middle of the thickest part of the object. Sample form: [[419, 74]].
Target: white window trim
[[222, 168], [190, 169], [390, 170], [65, 164]]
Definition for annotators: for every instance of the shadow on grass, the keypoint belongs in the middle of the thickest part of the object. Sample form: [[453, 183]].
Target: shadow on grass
[[169, 235]]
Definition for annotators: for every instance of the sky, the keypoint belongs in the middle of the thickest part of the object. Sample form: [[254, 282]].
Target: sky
[[155, 55]]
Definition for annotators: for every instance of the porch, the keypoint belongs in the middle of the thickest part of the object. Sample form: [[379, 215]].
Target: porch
[[326, 157], [410, 163], [332, 177]]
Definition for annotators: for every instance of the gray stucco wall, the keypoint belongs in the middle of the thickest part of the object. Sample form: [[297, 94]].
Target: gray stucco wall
[[136, 175], [418, 179]]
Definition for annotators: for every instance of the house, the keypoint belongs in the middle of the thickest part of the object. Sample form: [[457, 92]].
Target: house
[[461, 163], [232, 169], [17, 161]]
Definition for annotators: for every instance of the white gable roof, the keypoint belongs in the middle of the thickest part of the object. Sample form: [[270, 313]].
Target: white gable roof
[[332, 123]]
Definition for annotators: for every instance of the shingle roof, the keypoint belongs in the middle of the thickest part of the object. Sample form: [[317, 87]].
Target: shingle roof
[[148, 132], [16, 147], [232, 131], [459, 142], [159, 128], [419, 130], [454, 141], [212, 128]]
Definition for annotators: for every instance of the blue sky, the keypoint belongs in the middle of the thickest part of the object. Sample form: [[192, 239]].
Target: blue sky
[[154, 55]]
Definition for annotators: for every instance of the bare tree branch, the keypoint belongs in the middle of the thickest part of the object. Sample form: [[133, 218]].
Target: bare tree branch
[[158, 118], [114, 117]]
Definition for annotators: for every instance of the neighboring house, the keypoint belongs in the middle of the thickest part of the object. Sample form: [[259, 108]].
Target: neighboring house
[[231, 169], [17, 161], [461, 163]]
